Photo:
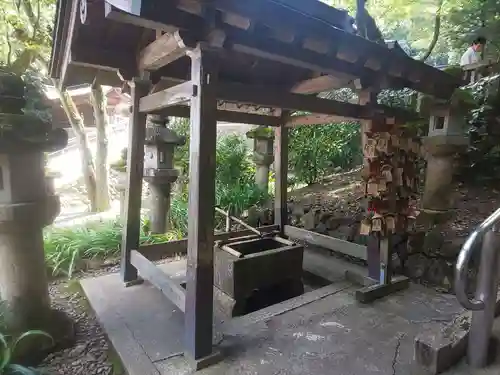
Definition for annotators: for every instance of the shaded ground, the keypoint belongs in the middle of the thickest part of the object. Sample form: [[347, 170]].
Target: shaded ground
[[340, 196], [327, 334]]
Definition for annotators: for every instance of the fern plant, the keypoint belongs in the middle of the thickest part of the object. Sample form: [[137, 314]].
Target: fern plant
[[8, 350]]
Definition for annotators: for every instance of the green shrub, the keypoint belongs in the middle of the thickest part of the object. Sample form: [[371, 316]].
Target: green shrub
[[315, 151], [234, 165], [66, 248]]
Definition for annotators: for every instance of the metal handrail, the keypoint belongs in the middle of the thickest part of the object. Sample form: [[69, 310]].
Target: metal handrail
[[462, 266]]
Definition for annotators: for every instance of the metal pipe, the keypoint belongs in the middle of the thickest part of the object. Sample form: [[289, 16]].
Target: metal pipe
[[486, 292], [462, 266]]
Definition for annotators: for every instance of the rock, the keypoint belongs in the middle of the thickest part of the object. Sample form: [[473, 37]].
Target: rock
[[324, 216], [321, 228], [309, 220], [433, 242], [334, 222], [297, 210], [77, 350], [416, 242]]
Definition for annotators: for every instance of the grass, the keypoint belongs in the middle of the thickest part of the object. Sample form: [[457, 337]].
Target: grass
[[67, 249]]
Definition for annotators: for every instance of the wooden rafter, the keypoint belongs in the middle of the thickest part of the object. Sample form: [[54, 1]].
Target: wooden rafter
[[166, 49], [323, 48]]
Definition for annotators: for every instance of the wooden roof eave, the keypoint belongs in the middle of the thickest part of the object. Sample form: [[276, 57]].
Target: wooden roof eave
[[343, 56], [403, 70]]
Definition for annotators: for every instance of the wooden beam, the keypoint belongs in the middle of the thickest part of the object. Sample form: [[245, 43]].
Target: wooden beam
[[315, 119], [166, 49], [179, 94], [270, 97], [331, 243], [168, 249], [281, 172], [320, 84], [226, 116], [149, 271], [135, 167], [200, 257]]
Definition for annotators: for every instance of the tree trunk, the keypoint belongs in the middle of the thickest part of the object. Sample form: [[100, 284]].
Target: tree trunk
[[101, 159], [76, 122], [437, 29]]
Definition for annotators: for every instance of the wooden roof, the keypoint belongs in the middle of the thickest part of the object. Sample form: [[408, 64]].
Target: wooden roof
[[282, 43]]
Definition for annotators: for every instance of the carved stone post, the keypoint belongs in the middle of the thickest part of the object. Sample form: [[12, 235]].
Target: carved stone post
[[263, 154], [159, 171], [27, 204]]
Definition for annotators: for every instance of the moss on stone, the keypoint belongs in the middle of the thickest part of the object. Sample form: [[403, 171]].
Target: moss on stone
[[454, 70], [261, 132]]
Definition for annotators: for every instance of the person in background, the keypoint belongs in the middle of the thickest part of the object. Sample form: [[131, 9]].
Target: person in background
[[473, 53]]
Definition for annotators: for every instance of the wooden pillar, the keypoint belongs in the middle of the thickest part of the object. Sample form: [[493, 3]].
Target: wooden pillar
[[200, 267], [135, 170], [281, 173], [367, 97], [382, 171]]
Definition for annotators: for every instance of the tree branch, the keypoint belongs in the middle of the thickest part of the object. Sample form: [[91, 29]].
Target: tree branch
[[435, 37]]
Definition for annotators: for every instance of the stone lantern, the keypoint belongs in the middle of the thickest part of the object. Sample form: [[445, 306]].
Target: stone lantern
[[263, 154], [446, 138], [27, 204], [159, 171]]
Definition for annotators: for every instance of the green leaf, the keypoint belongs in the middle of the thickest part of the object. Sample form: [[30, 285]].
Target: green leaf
[[20, 370], [28, 334]]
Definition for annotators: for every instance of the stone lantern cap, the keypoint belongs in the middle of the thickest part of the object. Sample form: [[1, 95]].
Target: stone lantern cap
[[261, 132], [157, 135], [19, 131]]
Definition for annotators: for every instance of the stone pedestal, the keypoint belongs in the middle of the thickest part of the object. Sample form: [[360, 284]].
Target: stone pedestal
[[25, 209], [440, 154], [27, 204], [263, 154], [159, 171], [121, 188]]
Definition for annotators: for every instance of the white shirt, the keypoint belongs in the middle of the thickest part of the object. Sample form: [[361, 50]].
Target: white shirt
[[470, 57]]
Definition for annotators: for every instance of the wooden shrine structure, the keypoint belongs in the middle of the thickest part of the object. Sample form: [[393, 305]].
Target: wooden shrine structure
[[226, 60]]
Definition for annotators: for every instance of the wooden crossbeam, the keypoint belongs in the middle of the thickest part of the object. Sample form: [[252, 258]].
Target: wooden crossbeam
[[332, 243], [166, 49], [179, 94], [149, 271], [315, 119], [226, 116], [269, 97]]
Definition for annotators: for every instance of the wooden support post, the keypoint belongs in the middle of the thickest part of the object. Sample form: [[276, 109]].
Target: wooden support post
[[367, 97], [281, 172], [135, 170], [200, 267]]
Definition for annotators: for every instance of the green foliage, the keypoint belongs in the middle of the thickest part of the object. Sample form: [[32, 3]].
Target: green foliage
[[8, 349], [181, 153], [239, 198], [178, 216], [67, 248], [234, 166], [483, 153], [404, 98], [315, 151]]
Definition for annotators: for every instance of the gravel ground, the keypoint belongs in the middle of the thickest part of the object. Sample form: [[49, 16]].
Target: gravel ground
[[90, 354]]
